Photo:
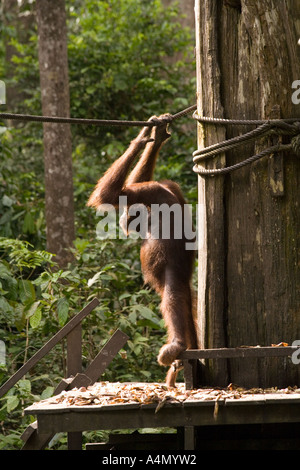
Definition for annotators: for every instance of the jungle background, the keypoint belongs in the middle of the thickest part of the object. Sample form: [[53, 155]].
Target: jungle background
[[128, 59]]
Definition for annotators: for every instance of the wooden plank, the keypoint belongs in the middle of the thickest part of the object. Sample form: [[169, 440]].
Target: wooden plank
[[74, 366], [29, 431], [33, 426], [33, 438], [106, 355], [190, 375], [260, 410], [36, 440], [48, 346], [189, 438], [75, 440], [74, 351], [225, 353], [193, 373], [100, 362]]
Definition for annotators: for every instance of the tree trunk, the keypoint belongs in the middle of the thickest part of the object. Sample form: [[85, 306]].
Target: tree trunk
[[256, 56], [187, 10], [53, 62], [10, 17]]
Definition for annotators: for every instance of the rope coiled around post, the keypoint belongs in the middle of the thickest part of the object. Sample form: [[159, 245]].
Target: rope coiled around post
[[290, 127]]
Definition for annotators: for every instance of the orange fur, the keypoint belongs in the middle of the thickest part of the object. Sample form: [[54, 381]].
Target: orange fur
[[166, 264]]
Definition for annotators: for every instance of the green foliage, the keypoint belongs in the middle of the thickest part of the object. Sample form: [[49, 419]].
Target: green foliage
[[21, 188], [121, 46], [36, 302], [122, 66]]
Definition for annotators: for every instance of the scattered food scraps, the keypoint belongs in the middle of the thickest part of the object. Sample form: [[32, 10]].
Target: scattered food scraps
[[116, 393]]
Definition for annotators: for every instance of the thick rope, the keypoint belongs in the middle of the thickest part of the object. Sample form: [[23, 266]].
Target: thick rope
[[278, 127], [289, 126], [237, 166], [94, 122], [241, 122], [216, 149]]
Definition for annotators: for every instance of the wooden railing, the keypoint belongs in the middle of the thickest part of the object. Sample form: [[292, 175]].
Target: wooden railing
[[72, 331], [76, 377], [192, 366]]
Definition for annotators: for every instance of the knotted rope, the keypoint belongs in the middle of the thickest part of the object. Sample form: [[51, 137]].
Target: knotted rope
[[281, 127]]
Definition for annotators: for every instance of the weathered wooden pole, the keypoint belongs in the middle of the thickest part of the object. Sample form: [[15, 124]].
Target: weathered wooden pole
[[211, 216], [249, 220]]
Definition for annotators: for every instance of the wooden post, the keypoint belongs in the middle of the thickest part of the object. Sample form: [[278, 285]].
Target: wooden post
[[249, 223], [211, 252], [74, 366]]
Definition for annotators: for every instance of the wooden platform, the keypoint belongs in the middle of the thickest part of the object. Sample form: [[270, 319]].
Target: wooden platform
[[253, 409]]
